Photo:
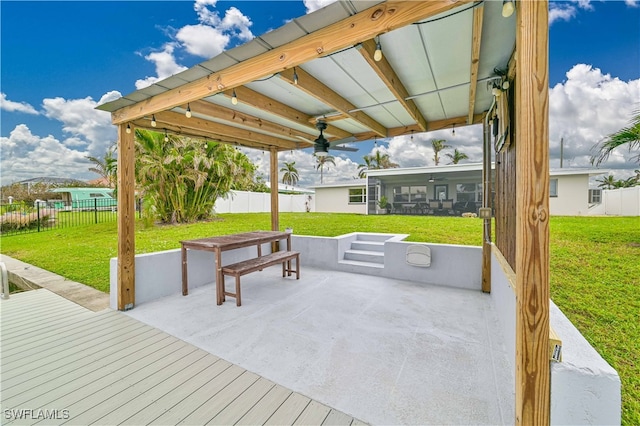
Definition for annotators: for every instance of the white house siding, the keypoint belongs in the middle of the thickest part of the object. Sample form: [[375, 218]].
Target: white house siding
[[573, 196], [336, 200]]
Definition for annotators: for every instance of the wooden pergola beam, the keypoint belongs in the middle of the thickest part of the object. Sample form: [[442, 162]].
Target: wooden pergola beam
[[174, 121], [431, 126], [388, 75], [240, 118], [532, 214], [476, 41], [345, 33], [314, 87], [262, 102]]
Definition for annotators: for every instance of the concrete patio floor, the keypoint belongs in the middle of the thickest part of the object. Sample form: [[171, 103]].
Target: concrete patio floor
[[382, 350]]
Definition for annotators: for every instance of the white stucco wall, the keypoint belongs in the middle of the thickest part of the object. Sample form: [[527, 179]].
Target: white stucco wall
[[336, 200], [573, 196], [585, 389]]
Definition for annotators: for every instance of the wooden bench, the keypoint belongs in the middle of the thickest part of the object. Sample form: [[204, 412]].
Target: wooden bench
[[257, 264]]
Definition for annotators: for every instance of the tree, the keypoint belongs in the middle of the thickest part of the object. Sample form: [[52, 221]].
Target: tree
[[438, 145], [457, 156], [290, 176], [182, 178], [608, 182], [362, 168], [382, 161], [106, 167], [629, 135], [322, 162]]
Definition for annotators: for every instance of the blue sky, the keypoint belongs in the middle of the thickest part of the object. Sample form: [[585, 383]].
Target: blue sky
[[59, 59]]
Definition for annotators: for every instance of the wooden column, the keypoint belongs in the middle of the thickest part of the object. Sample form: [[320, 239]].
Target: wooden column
[[273, 172], [532, 214], [486, 202], [126, 218]]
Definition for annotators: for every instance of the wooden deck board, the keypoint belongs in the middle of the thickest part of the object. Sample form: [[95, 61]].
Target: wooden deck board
[[263, 409], [106, 368], [181, 391], [314, 413], [243, 403], [289, 411], [64, 371]]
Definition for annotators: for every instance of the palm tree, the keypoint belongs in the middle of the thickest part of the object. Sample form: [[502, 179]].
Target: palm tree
[[106, 167], [367, 165], [457, 156], [322, 161], [290, 176], [438, 145], [608, 182], [382, 161], [626, 136]]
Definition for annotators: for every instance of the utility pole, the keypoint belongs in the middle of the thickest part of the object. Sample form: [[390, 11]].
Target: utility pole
[[561, 151]]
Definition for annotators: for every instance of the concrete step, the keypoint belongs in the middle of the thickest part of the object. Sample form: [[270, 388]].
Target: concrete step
[[373, 237], [368, 245], [362, 267], [364, 256]]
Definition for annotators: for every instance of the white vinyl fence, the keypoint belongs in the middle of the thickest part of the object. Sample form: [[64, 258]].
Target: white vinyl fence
[[257, 202], [619, 202]]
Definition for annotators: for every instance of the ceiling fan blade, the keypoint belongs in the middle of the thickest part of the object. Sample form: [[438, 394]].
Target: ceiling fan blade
[[343, 148]]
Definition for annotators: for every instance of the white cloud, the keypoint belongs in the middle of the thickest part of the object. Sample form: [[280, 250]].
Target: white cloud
[[632, 3], [11, 106], [584, 109], [25, 156], [237, 23], [165, 63], [313, 5], [86, 126], [563, 12], [203, 40]]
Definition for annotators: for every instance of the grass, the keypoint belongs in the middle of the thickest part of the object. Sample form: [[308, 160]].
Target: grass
[[595, 277]]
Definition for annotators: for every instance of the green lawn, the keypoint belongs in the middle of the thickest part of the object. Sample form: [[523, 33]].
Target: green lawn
[[595, 266]]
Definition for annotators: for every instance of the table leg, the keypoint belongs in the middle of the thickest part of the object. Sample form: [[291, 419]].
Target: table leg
[[219, 289], [185, 288], [289, 249]]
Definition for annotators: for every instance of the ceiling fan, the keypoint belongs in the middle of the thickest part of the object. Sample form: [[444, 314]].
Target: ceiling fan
[[321, 145], [432, 179]]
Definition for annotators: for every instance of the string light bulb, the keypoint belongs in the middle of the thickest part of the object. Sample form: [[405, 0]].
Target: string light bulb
[[377, 55], [295, 76], [234, 98], [153, 120], [507, 8], [188, 113], [166, 136], [453, 130], [128, 129]]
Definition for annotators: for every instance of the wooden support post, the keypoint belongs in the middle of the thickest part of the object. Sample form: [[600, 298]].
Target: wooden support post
[[275, 216], [532, 214], [486, 202], [126, 218]]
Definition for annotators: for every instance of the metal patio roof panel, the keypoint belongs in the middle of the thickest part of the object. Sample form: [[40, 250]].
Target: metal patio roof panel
[[281, 91]]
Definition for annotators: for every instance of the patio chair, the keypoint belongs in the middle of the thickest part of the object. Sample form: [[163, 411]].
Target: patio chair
[[434, 206], [447, 206]]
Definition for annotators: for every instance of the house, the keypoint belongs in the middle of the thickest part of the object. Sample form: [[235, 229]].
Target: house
[[446, 190], [85, 197]]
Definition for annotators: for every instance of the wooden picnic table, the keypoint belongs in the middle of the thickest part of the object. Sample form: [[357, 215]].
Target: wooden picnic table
[[229, 242]]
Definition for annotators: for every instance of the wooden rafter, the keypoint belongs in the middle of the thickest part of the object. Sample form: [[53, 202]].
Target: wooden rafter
[[260, 101], [177, 123], [388, 75], [246, 120], [476, 40], [431, 126], [347, 32], [314, 87]]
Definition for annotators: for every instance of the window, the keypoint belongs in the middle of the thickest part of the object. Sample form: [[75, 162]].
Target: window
[[357, 196], [441, 192], [95, 195], [595, 196], [553, 187], [410, 194], [468, 192]]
